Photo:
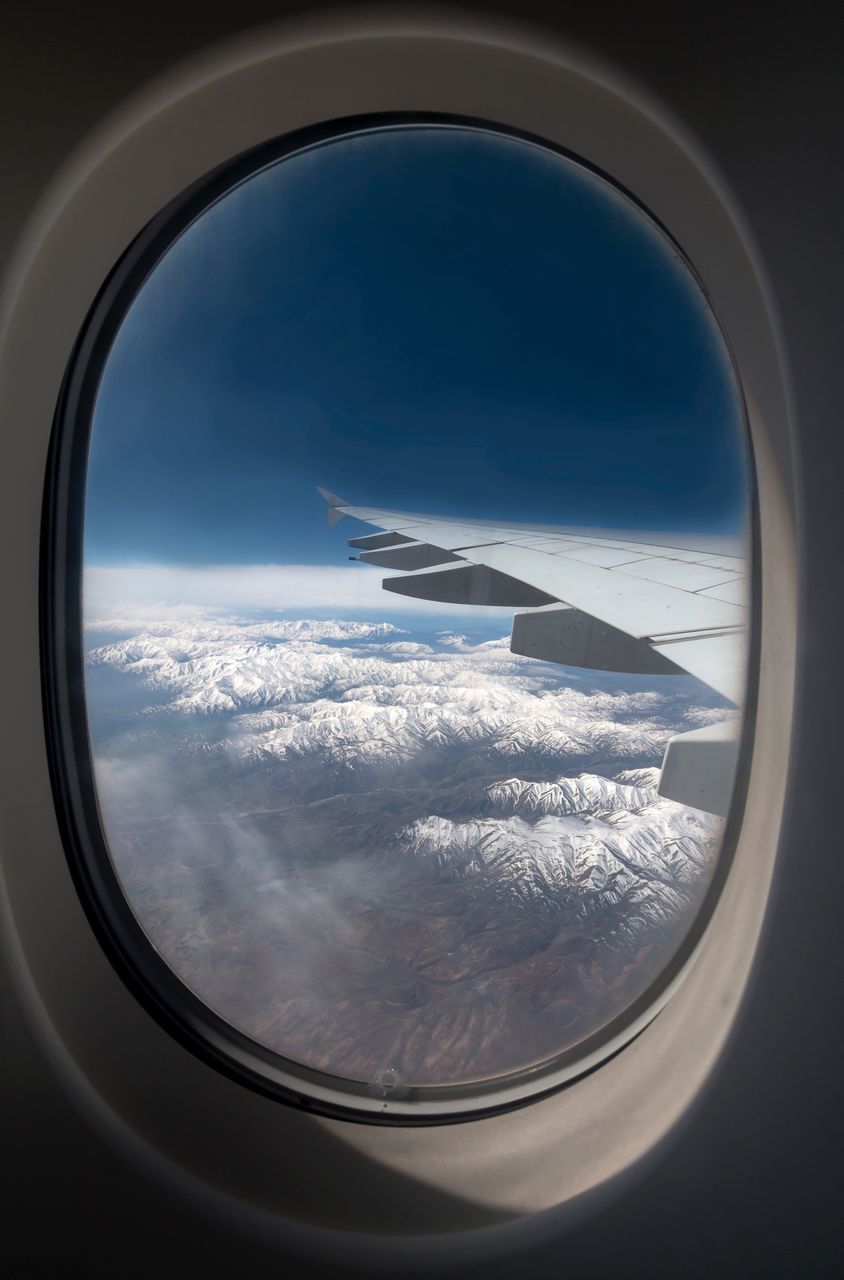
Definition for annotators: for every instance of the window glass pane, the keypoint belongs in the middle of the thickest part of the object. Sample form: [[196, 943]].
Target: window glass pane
[[395, 835]]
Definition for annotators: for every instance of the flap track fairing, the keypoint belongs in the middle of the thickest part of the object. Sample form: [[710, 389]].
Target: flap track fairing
[[474, 584], [410, 556], [560, 633]]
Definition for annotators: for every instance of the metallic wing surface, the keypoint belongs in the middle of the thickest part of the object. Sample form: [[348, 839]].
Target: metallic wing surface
[[611, 601]]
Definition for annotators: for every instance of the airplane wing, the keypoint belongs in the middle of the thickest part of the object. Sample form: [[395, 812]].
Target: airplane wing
[[590, 599]]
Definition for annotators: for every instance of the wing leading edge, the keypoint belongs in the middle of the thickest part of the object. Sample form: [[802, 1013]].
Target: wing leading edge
[[593, 600]]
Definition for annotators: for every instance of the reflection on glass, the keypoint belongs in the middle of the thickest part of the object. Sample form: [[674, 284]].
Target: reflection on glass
[[356, 823]]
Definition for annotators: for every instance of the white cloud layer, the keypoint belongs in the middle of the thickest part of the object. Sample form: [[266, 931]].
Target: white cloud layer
[[139, 590]]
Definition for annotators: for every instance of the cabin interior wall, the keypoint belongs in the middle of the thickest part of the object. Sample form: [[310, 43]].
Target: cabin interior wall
[[748, 1186]]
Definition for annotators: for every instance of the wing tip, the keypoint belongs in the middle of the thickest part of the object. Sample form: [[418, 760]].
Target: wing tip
[[334, 504]]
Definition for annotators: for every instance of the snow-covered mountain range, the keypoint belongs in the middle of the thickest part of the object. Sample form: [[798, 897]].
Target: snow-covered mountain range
[[425, 854]]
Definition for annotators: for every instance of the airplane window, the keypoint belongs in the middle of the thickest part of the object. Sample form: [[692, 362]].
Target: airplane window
[[438, 814]]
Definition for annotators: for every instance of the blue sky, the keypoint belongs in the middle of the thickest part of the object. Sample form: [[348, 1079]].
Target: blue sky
[[435, 320]]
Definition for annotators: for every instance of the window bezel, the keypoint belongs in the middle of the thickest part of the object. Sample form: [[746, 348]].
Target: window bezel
[[140, 966], [217, 1143]]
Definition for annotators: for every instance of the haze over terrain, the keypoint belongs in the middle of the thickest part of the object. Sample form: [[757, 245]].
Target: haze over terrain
[[394, 852]]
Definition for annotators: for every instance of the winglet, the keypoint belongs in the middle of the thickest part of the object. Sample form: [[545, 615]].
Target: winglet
[[334, 504]]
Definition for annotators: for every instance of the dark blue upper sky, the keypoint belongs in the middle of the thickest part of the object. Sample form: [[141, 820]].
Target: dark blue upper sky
[[438, 320]]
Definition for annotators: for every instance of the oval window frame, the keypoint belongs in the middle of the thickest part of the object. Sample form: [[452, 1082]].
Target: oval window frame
[[529, 81], [179, 1010]]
